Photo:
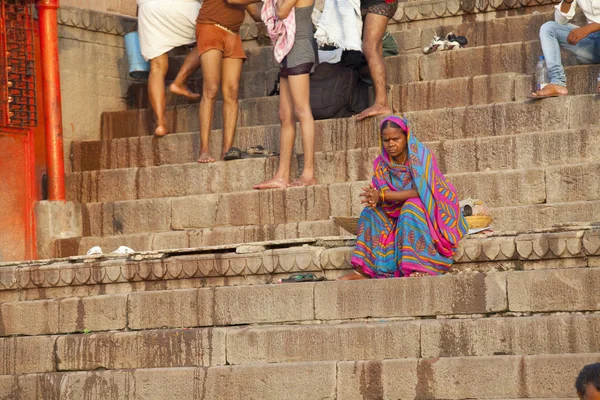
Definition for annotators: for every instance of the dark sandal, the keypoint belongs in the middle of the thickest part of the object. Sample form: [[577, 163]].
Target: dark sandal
[[259, 151], [233, 154], [306, 277]]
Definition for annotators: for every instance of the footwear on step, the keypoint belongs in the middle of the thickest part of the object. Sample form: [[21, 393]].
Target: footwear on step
[[233, 154], [436, 44]]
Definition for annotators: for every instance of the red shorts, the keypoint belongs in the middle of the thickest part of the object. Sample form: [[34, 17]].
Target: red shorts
[[209, 37]]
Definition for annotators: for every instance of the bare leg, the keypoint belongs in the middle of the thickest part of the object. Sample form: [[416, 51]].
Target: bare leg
[[374, 29], [156, 92], [211, 76], [231, 74], [286, 143], [300, 90], [190, 65]]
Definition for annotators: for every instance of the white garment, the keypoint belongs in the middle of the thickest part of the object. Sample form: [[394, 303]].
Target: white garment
[[166, 24], [591, 9], [340, 25], [330, 56]]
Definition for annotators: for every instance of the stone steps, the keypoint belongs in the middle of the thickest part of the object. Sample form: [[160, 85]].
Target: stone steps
[[266, 262], [536, 291], [442, 124], [454, 157], [543, 376], [209, 347], [509, 191]]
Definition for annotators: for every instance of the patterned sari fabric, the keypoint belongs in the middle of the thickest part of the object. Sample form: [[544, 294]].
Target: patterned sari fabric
[[420, 234]]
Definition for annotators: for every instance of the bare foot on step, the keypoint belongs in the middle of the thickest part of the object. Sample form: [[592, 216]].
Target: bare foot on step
[[161, 130], [353, 276], [417, 274], [183, 91], [374, 110], [275, 183], [205, 158], [302, 181]]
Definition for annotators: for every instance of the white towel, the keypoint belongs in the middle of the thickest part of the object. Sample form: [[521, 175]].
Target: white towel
[[166, 24], [340, 25]]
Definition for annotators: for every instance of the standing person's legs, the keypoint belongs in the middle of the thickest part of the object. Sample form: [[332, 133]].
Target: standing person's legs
[[299, 87], [211, 79], [230, 75], [286, 141], [373, 31], [156, 91], [191, 64]]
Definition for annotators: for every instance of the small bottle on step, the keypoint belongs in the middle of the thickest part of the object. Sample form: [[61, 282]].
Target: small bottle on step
[[541, 74]]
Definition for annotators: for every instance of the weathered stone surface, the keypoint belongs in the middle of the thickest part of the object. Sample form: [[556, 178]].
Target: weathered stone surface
[[55, 220], [510, 336], [377, 379], [97, 313], [263, 304], [554, 290], [145, 349], [23, 355], [550, 245], [573, 183], [457, 294], [181, 308], [29, 318], [323, 343]]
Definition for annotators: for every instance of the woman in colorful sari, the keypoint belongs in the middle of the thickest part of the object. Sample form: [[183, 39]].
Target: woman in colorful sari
[[412, 223]]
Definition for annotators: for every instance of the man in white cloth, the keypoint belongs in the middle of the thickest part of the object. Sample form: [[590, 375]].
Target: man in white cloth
[[162, 26], [583, 42]]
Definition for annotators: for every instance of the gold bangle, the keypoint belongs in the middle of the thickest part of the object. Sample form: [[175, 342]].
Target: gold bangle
[[382, 195]]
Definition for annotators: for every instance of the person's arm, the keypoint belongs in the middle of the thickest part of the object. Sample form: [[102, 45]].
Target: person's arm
[[373, 197], [254, 11], [579, 33], [284, 8]]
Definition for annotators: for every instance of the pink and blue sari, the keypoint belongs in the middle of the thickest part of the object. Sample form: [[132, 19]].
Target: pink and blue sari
[[420, 234]]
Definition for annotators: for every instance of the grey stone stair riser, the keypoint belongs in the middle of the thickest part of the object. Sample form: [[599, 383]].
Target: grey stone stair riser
[[472, 337], [131, 123], [483, 89], [497, 189], [332, 167], [538, 216], [510, 377], [431, 125], [540, 291], [252, 84], [567, 145]]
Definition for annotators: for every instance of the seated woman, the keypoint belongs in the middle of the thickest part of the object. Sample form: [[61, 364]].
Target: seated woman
[[412, 223]]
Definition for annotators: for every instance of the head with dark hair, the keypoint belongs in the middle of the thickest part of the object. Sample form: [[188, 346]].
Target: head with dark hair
[[588, 382], [394, 139], [388, 123]]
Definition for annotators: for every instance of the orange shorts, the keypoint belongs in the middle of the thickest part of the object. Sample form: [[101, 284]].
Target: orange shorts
[[209, 36]]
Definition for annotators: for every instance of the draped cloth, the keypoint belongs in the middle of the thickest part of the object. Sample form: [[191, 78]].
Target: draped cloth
[[420, 234], [281, 31], [166, 24]]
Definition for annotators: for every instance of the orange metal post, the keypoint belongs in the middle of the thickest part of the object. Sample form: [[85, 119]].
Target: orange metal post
[[47, 10]]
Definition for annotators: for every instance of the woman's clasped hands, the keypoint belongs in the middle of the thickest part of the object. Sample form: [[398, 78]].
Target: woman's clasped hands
[[370, 196]]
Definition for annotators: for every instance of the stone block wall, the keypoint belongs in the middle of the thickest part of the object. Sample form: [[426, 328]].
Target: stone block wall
[[123, 7]]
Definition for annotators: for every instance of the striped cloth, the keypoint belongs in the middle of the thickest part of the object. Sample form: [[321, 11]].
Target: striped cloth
[[281, 32], [421, 234]]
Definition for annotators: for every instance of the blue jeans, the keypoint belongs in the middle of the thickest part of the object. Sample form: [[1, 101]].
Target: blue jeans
[[554, 36]]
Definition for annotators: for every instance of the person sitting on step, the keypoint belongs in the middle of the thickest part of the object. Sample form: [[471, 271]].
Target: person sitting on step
[[588, 382], [376, 15], [583, 42], [221, 57], [294, 96], [162, 26], [412, 221]]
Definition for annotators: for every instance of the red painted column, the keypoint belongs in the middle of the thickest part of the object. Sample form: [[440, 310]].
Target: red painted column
[[47, 12]]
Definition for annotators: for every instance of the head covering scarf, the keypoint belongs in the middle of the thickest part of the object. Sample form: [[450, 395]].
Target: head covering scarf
[[444, 218]]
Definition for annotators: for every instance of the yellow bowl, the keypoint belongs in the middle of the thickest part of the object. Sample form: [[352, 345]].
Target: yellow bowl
[[479, 221]]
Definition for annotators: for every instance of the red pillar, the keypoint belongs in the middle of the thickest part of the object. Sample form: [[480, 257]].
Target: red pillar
[[47, 11]]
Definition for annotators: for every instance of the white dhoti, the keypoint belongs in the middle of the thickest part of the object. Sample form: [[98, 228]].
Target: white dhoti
[[166, 24]]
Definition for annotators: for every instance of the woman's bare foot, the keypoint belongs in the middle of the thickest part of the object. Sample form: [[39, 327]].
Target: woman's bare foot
[[374, 110], [205, 158], [160, 131], [417, 274], [275, 183], [302, 181], [353, 276], [183, 91], [550, 90]]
